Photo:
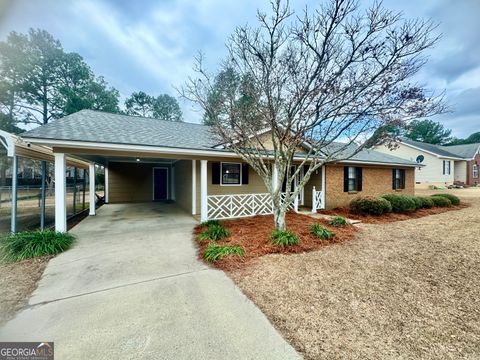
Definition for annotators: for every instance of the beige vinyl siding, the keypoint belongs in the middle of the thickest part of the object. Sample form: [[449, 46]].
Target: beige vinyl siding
[[431, 173], [129, 182], [315, 180], [183, 184], [460, 171]]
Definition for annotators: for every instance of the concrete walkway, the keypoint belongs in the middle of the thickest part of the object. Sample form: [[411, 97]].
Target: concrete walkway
[[133, 288]]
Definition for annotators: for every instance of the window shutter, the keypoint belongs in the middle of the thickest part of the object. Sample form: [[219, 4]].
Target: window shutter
[[359, 179], [215, 173], [245, 173], [393, 179], [345, 179], [402, 176], [443, 167]]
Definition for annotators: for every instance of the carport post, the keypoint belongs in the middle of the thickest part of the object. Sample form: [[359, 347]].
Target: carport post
[[13, 225], [106, 189], [60, 193], [43, 195], [203, 191], [91, 184], [194, 187]]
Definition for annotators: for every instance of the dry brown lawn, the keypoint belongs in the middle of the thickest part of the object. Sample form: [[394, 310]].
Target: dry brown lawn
[[403, 290]]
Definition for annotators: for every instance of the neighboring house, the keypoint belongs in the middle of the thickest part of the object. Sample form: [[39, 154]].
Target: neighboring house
[[443, 165], [153, 160]]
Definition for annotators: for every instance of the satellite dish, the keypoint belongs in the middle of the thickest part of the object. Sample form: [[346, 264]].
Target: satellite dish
[[420, 158]]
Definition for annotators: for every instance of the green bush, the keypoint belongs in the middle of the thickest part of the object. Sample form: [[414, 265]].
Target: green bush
[[210, 222], [427, 203], [321, 232], [284, 238], [401, 203], [338, 221], [370, 205], [455, 200], [441, 201], [30, 244], [417, 201], [214, 232], [215, 252]]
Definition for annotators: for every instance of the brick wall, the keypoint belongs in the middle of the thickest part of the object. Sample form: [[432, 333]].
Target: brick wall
[[376, 181], [470, 179]]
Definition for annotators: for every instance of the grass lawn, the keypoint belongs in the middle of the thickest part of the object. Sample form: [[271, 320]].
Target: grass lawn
[[405, 289]]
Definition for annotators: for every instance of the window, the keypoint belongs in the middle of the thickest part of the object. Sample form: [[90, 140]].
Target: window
[[446, 167], [475, 171], [231, 174], [398, 181], [352, 179]]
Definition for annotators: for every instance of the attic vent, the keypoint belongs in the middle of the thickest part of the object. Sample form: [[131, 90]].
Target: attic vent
[[420, 158]]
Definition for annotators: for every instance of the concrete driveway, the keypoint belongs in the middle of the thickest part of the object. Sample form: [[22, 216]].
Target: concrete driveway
[[132, 287]]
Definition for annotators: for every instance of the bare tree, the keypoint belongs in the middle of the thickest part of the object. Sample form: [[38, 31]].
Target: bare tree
[[324, 81]]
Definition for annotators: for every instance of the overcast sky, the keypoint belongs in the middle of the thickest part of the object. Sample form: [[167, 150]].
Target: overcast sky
[[149, 45]]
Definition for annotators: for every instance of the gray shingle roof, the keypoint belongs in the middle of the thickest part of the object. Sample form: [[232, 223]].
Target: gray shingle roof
[[102, 127], [456, 151], [465, 151], [97, 126]]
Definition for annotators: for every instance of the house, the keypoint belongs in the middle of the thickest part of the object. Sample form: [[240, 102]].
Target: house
[[443, 165], [153, 160]]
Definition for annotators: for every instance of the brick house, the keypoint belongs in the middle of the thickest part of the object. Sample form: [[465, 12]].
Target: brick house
[[153, 160]]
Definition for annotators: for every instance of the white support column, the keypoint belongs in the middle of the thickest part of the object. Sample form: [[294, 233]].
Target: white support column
[[203, 191], [274, 177], [302, 191], [295, 204], [91, 175], [194, 187], [323, 186], [314, 200], [106, 185], [172, 183], [60, 193], [13, 224]]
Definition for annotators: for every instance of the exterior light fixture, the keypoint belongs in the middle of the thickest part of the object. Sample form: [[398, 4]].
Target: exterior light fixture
[[138, 159]]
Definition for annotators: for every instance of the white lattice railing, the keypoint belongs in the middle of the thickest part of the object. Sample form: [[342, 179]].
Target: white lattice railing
[[317, 200], [241, 205]]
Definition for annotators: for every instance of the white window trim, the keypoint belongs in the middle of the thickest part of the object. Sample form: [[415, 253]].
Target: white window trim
[[475, 169], [447, 170], [221, 173]]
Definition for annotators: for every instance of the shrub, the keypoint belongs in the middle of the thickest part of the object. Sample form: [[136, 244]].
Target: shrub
[[338, 221], [29, 244], [455, 200], [214, 232], [427, 202], [321, 232], [210, 222], [401, 203], [441, 201], [370, 205], [284, 238], [418, 203], [215, 252]]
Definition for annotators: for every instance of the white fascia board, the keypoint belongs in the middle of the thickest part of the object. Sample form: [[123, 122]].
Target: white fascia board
[[175, 151]]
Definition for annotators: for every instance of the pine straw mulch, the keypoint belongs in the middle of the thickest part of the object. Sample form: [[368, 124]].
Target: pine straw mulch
[[391, 217], [254, 235], [18, 281]]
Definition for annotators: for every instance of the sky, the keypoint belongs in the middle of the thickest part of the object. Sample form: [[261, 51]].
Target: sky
[[150, 45]]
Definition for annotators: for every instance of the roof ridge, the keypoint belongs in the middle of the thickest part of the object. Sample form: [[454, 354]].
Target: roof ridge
[[140, 117]]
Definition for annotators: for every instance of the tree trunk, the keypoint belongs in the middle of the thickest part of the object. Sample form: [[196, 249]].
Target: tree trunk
[[279, 218]]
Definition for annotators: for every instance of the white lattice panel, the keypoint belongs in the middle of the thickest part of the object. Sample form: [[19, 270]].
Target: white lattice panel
[[240, 205]]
